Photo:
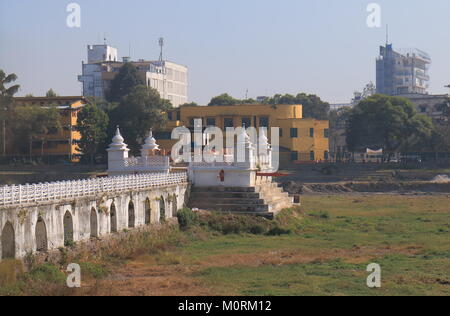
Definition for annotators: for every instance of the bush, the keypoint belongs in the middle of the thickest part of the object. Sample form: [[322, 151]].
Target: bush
[[94, 270], [235, 224], [187, 218], [277, 231], [48, 273]]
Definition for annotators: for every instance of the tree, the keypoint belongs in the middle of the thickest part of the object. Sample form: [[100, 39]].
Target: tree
[[223, 99], [137, 112], [32, 122], [124, 83], [6, 101], [313, 106], [93, 126], [189, 104], [51, 94], [390, 123]]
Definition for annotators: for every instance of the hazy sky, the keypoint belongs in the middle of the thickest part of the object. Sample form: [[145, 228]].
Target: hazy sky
[[266, 46]]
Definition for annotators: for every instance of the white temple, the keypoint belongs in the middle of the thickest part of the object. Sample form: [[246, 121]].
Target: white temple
[[239, 168], [150, 161]]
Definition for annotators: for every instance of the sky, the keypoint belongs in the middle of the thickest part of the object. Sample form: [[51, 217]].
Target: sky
[[322, 47]]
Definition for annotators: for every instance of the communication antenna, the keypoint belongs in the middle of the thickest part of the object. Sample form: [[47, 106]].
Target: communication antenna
[[161, 64], [387, 34], [161, 45]]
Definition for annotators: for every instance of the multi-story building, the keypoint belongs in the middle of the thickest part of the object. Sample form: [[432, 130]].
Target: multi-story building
[[58, 143], [301, 139], [431, 105], [402, 73], [168, 78]]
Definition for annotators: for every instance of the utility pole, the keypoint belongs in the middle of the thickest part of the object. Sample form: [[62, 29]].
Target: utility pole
[[4, 136]]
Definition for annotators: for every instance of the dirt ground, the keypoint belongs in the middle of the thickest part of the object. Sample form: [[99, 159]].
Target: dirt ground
[[142, 277]]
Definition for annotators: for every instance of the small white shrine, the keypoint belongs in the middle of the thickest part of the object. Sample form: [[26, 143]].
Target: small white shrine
[[151, 159], [236, 170]]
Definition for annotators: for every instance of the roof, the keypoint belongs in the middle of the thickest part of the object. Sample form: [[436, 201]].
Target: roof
[[51, 99], [61, 102]]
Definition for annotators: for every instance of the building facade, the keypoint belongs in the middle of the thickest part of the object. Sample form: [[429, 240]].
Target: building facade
[[63, 143], [402, 72], [168, 78], [301, 139], [431, 105]]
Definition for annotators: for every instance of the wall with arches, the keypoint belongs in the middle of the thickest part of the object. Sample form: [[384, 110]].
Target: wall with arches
[[32, 228]]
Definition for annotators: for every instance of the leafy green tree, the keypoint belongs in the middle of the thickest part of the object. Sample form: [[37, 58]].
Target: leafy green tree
[[223, 99], [391, 123], [189, 104], [124, 83], [6, 101], [33, 123], [93, 126], [313, 106], [51, 94], [137, 112]]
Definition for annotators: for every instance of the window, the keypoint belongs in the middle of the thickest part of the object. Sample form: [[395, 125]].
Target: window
[[326, 133], [247, 121], [281, 132], [294, 132], [423, 109], [228, 122], [312, 156], [264, 121], [311, 132], [210, 121], [169, 116], [294, 156], [178, 115]]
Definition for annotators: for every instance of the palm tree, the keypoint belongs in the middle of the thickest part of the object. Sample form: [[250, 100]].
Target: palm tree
[[6, 95]]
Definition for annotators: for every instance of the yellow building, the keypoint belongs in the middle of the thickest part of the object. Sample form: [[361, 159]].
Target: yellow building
[[300, 139], [63, 143]]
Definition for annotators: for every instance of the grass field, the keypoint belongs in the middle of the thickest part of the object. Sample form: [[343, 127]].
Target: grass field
[[335, 239], [332, 240]]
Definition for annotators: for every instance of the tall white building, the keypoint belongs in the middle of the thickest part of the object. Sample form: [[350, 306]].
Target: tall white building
[[168, 78]]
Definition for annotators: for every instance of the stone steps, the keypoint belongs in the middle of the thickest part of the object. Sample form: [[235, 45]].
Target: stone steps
[[224, 189], [227, 195], [248, 208], [226, 200], [238, 200], [265, 199]]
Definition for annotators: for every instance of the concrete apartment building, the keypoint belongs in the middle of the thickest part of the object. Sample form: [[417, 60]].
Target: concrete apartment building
[[431, 105], [168, 78], [301, 139], [402, 72]]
